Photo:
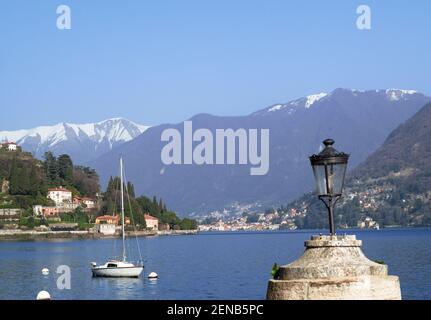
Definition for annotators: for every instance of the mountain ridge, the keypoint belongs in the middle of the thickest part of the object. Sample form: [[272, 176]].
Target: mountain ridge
[[307, 101], [359, 121], [93, 139]]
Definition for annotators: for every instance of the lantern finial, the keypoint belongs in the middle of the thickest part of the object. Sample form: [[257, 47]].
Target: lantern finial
[[328, 142]]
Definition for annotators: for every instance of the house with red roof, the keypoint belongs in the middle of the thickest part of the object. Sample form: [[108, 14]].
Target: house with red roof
[[107, 220]]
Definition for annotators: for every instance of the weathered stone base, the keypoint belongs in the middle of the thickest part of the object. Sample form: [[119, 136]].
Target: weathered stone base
[[334, 268], [356, 288]]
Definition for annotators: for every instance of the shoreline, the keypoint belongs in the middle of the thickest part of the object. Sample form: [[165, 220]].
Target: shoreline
[[19, 235], [31, 235]]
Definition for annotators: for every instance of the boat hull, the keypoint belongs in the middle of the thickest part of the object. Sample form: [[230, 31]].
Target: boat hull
[[125, 272]]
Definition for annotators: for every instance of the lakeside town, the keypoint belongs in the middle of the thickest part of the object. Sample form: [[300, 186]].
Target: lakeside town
[[250, 218]]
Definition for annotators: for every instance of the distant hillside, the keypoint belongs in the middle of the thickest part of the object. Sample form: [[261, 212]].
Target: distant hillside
[[407, 149], [393, 186]]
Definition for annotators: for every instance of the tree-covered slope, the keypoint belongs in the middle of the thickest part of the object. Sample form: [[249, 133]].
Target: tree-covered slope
[[393, 186]]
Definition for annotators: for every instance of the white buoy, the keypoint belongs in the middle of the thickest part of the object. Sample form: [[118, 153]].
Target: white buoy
[[43, 295], [153, 275], [45, 271]]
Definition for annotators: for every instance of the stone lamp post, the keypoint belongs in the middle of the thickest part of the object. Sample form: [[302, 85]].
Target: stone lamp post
[[333, 267]]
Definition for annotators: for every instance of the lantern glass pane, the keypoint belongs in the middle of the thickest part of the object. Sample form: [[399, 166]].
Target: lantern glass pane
[[336, 174], [319, 175], [329, 178]]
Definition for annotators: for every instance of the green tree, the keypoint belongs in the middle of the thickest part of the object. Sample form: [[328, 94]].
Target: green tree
[[131, 189], [86, 181], [30, 223], [160, 205], [51, 168], [252, 218], [188, 224], [14, 179], [36, 186], [65, 169]]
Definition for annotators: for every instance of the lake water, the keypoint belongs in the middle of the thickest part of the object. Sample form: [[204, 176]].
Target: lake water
[[203, 266]]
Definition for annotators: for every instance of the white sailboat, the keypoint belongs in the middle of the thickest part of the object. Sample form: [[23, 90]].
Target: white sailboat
[[117, 268]]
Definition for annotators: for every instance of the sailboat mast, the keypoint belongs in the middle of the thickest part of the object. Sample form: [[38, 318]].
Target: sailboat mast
[[122, 208]]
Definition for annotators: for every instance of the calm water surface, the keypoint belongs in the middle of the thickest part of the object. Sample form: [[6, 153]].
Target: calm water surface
[[204, 266]]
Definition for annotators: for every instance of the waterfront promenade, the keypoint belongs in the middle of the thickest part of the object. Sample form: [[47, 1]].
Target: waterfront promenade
[[11, 235]]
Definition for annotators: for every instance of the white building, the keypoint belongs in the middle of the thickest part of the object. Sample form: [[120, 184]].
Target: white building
[[368, 223], [106, 228], [10, 146], [89, 203], [37, 210], [60, 196]]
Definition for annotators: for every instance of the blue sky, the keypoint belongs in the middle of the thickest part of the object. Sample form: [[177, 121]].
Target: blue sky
[[164, 61]]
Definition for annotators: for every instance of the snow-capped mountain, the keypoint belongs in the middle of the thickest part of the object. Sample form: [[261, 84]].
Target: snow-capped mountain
[[358, 121], [308, 101], [83, 142]]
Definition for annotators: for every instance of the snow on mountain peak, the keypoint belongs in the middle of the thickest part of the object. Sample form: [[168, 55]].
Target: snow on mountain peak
[[308, 101], [397, 94], [391, 94], [113, 130], [314, 98], [275, 108]]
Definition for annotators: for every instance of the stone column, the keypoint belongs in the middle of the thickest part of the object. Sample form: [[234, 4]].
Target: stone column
[[334, 268]]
